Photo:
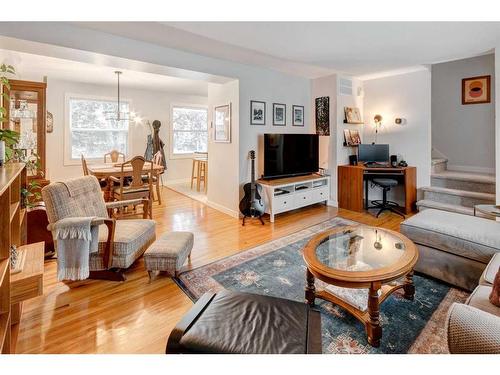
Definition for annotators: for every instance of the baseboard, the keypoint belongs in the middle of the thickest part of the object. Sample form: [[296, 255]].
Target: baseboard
[[223, 209], [332, 203], [466, 168], [179, 181]]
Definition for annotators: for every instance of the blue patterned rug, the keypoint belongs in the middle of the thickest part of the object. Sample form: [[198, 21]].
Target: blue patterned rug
[[277, 269]]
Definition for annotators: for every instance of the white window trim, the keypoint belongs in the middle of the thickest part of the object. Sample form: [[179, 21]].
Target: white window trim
[[68, 160], [171, 129]]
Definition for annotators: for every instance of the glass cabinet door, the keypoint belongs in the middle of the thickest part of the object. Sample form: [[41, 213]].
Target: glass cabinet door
[[27, 116]]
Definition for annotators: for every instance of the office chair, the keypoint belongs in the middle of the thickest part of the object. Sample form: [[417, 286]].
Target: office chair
[[384, 205]]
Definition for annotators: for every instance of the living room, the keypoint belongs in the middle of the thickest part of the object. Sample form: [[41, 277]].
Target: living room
[[246, 188]]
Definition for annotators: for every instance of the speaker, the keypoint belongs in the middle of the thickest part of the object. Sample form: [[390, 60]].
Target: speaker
[[353, 159], [394, 161]]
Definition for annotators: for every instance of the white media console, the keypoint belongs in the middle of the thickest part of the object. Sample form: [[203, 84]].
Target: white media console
[[286, 194]]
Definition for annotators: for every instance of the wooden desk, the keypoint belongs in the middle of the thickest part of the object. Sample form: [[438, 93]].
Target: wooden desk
[[351, 189]]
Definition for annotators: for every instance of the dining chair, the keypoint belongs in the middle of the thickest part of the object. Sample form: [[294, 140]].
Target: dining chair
[[157, 178], [114, 155], [138, 187], [103, 183]]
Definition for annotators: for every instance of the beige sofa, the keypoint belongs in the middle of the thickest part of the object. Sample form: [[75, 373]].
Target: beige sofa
[[474, 327]]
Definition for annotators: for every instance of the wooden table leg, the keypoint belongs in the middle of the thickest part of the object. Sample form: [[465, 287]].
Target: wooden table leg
[[310, 288], [199, 177], [409, 287], [373, 328], [108, 195]]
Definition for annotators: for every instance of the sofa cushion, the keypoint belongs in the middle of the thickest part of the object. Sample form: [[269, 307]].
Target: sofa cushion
[[467, 236], [132, 237], [480, 300]]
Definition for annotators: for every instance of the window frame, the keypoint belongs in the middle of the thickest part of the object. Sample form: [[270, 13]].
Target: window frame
[[172, 155], [68, 160]]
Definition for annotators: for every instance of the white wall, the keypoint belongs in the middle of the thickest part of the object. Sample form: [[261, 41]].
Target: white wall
[[223, 172], [464, 134], [151, 106], [407, 96]]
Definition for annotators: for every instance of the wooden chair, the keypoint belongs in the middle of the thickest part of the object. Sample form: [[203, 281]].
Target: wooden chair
[[157, 179], [114, 155], [138, 188], [120, 242], [103, 183]]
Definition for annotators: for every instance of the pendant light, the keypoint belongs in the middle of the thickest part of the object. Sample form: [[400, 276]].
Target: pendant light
[[117, 115]]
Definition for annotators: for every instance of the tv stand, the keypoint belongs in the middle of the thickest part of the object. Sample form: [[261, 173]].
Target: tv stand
[[286, 194]]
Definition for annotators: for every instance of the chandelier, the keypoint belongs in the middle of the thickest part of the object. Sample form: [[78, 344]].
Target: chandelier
[[117, 115]]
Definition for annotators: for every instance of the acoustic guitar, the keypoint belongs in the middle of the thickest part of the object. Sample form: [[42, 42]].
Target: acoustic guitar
[[252, 204]]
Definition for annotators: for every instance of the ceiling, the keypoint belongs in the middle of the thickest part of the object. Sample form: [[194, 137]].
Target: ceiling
[[356, 48], [30, 66]]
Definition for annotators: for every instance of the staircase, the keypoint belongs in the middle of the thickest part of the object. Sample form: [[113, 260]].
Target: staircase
[[456, 191]]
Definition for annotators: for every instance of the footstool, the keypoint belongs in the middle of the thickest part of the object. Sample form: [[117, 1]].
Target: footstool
[[243, 323], [168, 253]]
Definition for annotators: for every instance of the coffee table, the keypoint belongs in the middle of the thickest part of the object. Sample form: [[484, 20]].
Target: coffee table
[[360, 257]]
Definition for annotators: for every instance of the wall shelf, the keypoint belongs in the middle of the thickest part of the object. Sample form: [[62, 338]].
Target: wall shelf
[[353, 123]]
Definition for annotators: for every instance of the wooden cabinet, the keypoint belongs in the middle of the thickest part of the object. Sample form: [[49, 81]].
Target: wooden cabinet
[[27, 115]]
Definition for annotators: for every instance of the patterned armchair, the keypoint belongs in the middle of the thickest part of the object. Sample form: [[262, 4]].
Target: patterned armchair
[[474, 327], [120, 242]]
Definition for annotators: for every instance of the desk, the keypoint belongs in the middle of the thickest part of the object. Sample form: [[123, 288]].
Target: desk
[[351, 187]]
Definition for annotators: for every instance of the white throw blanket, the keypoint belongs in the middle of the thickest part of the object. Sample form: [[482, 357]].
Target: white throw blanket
[[75, 240]]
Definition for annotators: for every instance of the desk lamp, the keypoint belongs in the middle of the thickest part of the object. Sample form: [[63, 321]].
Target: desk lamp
[[378, 123]]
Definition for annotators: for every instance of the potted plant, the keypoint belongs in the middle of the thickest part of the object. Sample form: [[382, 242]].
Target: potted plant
[[8, 138]]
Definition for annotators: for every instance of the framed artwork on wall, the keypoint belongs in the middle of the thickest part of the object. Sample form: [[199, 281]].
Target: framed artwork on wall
[[222, 123], [298, 115], [476, 90], [352, 115], [257, 112], [279, 114], [323, 115]]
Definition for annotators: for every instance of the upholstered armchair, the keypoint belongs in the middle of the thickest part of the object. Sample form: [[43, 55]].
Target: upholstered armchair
[[474, 327], [120, 242]]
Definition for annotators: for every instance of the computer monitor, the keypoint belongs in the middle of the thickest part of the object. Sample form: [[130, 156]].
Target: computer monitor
[[373, 153]]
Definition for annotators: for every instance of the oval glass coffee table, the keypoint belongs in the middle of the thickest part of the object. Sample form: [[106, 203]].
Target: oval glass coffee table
[[361, 266]]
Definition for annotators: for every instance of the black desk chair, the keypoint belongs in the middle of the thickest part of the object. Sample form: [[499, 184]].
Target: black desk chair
[[384, 205]]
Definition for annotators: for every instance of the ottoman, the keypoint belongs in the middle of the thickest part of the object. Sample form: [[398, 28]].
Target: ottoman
[[168, 253], [243, 323], [453, 247]]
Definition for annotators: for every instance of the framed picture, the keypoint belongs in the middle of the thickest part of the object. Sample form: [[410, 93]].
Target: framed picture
[[49, 124], [257, 113], [279, 114], [323, 115], [298, 115], [352, 115], [476, 90], [352, 137], [222, 122]]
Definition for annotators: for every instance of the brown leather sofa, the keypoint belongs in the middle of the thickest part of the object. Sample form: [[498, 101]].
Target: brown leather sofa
[[243, 323]]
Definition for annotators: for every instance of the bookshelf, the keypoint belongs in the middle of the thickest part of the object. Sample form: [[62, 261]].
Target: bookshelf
[[12, 232]]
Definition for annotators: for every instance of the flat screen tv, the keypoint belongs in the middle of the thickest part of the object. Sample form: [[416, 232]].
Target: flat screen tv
[[288, 155]]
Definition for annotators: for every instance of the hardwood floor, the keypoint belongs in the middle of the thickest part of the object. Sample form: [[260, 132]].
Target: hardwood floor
[[138, 315]]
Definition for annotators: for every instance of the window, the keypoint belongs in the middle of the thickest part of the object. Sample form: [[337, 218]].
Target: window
[[91, 134], [189, 130]]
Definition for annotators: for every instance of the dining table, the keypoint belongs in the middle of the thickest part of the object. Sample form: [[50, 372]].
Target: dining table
[[104, 171]]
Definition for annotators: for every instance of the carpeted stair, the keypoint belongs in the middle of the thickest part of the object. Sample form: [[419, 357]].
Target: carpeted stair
[[456, 191]]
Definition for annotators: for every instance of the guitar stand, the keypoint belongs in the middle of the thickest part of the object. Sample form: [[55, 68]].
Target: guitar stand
[[260, 218]]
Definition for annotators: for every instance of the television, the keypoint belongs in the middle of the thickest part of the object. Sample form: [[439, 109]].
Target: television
[[287, 155], [373, 153]]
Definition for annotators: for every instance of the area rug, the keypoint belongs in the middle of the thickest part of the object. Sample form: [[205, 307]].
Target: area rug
[[277, 269]]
